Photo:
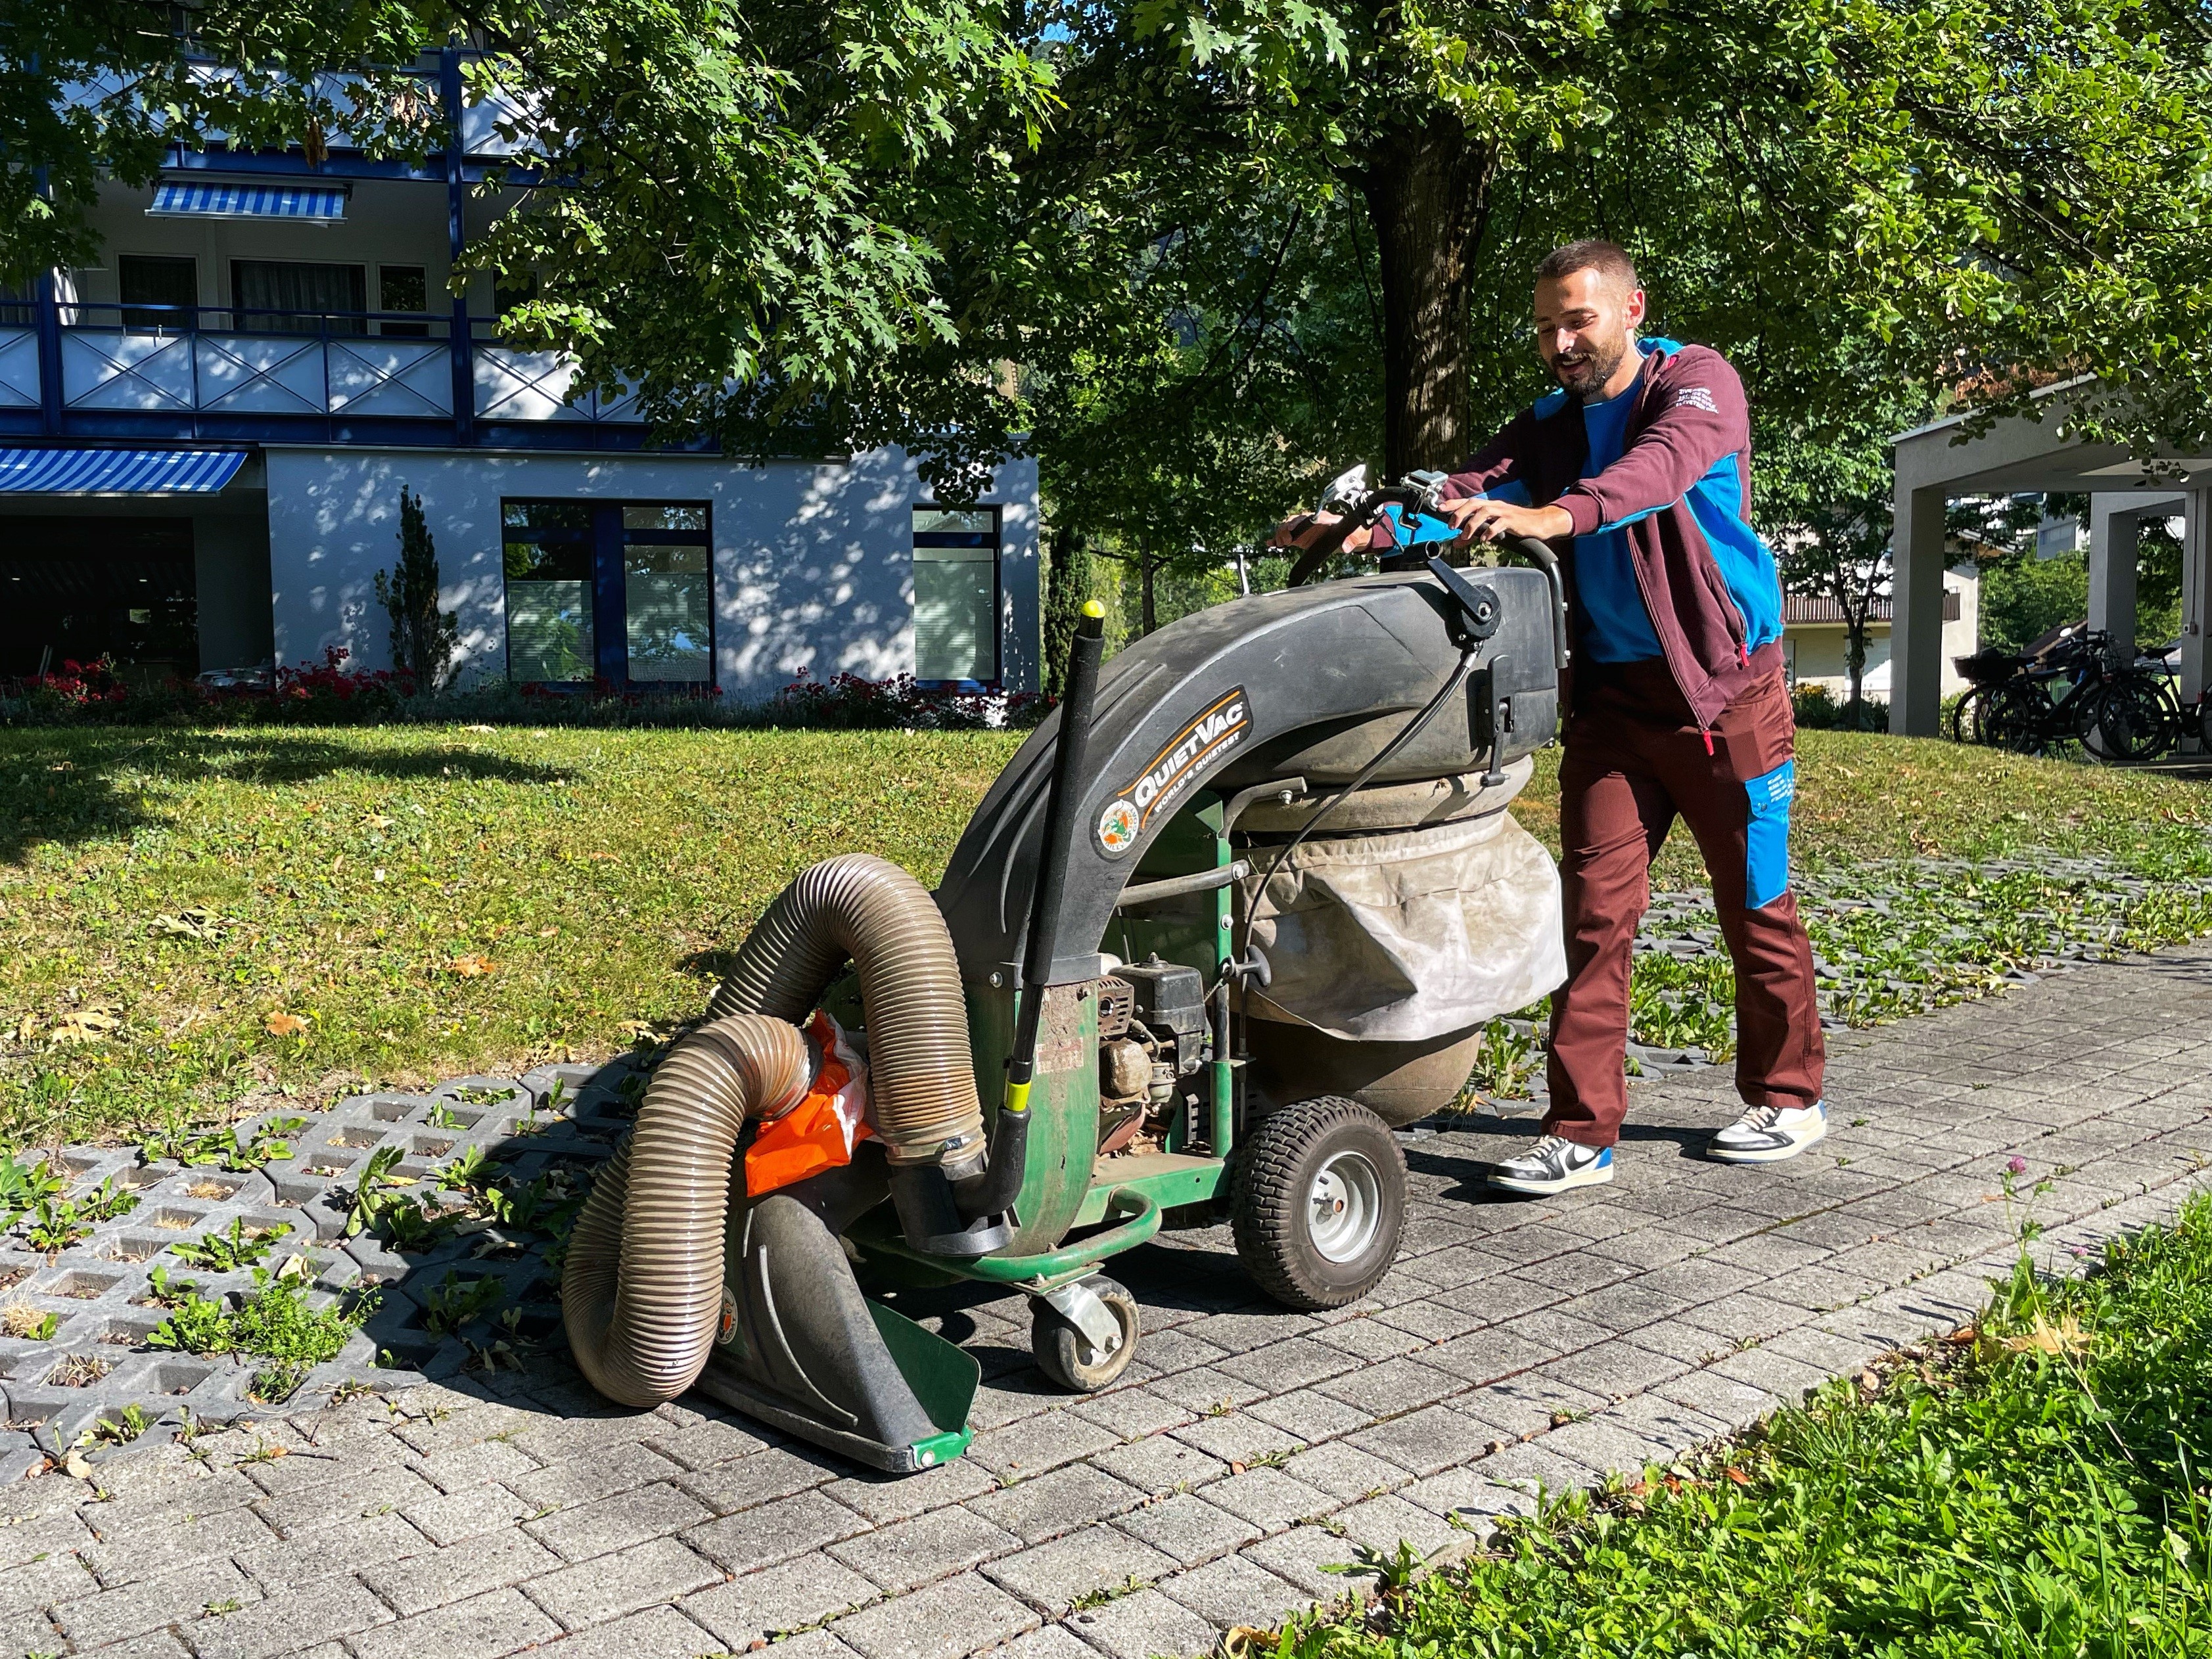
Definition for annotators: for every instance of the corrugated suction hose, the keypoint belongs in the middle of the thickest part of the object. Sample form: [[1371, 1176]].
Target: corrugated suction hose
[[643, 1287], [921, 1082]]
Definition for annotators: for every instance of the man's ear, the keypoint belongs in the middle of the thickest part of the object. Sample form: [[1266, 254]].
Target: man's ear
[[1634, 310]]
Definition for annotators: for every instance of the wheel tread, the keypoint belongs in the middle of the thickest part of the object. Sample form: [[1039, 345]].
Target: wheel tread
[[1265, 1199]]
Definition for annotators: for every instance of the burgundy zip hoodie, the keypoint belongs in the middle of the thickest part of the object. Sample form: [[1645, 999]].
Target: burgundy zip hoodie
[[1689, 414]]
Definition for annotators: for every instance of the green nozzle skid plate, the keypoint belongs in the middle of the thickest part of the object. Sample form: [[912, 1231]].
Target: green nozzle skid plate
[[943, 1378]]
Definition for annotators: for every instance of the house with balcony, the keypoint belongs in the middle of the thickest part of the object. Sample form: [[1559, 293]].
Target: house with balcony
[[203, 439], [1815, 639]]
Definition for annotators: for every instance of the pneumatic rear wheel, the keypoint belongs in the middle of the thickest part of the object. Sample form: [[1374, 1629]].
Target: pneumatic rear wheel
[[1317, 1200]]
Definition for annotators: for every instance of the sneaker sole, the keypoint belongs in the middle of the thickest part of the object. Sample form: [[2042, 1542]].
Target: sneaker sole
[[1596, 1175], [1779, 1154]]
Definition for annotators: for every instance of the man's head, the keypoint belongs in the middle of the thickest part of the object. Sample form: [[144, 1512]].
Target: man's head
[[1588, 306]]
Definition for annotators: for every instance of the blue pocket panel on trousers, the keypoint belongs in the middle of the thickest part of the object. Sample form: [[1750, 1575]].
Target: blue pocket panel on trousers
[[1767, 837]]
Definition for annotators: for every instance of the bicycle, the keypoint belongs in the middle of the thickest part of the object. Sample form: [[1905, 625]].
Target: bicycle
[[2067, 689]]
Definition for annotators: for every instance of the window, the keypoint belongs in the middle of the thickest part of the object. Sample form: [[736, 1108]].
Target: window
[[956, 594], [618, 590], [667, 591], [403, 288], [291, 296], [157, 293]]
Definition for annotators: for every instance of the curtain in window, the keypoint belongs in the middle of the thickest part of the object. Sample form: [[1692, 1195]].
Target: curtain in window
[[301, 296]]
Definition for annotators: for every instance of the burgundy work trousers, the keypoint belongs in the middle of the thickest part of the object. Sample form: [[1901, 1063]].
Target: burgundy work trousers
[[1635, 760]]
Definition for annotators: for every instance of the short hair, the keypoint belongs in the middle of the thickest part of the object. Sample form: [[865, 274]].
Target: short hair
[[1609, 259]]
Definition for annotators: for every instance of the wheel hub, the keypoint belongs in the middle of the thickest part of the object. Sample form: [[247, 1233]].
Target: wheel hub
[[1344, 1206]]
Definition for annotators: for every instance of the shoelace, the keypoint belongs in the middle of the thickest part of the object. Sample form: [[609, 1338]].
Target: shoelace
[[1762, 1117], [1545, 1146]]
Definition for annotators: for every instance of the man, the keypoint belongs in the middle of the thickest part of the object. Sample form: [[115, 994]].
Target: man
[[1676, 706]]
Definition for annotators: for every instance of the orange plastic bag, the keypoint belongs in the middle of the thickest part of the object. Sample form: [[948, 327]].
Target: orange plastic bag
[[820, 1133]]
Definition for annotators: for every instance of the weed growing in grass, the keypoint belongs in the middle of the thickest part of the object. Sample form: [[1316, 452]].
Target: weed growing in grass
[[56, 1224], [369, 1193], [195, 1148], [22, 1186], [227, 1252], [1505, 1060], [163, 1291], [22, 1321], [471, 1170], [120, 1430], [274, 1323], [456, 1302]]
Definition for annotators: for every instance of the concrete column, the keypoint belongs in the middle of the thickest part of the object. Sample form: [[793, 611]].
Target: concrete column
[[1916, 635], [2195, 597], [2115, 530]]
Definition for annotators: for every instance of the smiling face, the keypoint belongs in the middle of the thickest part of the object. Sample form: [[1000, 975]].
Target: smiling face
[[1585, 330]]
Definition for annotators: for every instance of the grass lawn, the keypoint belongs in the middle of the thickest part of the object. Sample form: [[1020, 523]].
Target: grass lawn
[[2038, 1488], [198, 918]]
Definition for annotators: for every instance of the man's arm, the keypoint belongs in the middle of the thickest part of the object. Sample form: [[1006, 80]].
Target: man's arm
[[1487, 499], [1703, 416]]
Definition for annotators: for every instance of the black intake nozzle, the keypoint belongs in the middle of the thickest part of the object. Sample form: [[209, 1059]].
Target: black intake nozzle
[[992, 1193]]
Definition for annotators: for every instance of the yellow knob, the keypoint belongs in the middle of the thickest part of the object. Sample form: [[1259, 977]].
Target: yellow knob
[[1092, 609]]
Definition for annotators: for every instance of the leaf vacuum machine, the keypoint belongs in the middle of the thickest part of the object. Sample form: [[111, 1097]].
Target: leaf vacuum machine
[[1242, 904]]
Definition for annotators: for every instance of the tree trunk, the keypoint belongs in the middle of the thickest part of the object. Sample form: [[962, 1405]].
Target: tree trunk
[[1148, 567], [1854, 661], [1425, 188]]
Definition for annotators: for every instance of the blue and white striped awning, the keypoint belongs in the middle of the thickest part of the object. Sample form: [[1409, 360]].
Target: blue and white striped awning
[[197, 199], [118, 471]]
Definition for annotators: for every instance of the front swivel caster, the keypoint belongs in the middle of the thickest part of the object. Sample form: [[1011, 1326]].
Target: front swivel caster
[[1083, 1334]]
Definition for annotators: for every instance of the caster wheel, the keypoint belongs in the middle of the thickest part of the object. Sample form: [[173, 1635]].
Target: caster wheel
[[1317, 1199], [1064, 1354]]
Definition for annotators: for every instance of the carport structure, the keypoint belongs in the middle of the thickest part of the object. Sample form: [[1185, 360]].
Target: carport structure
[[1938, 462]]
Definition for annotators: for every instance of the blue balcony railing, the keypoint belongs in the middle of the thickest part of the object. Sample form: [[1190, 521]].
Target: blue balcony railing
[[140, 367]]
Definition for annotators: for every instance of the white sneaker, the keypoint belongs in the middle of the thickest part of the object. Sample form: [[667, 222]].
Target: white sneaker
[[1768, 1134], [1553, 1165]]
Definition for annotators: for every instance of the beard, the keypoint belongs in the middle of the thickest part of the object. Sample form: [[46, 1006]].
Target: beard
[[1591, 366]]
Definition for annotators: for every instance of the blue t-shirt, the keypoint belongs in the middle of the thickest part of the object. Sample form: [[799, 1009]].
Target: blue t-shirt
[[1616, 626]]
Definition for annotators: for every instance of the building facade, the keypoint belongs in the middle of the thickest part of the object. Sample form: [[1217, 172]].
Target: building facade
[[1814, 640], [204, 441]]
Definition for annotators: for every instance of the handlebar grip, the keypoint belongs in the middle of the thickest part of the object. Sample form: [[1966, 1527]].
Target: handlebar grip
[[1541, 555]]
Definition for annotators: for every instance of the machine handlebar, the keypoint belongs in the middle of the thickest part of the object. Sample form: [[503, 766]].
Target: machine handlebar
[[1419, 495]]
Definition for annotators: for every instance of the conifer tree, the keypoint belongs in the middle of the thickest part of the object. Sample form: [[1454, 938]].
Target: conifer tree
[[423, 637]]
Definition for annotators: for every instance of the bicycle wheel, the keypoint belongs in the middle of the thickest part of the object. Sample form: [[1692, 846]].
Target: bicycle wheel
[[2017, 718], [1970, 715], [2128, 722]]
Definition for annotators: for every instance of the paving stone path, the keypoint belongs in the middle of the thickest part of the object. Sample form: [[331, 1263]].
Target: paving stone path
[[1514, 1343]]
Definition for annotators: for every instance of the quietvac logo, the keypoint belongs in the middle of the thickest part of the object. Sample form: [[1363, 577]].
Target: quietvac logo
[[1187, 757]]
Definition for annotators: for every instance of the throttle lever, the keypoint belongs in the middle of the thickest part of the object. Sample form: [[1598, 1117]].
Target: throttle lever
[[1476, 602]]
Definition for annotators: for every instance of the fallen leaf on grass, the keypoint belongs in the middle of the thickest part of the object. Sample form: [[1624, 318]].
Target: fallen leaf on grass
[[196, 922], [473, 966], [87, 1026], [2066, 1337], [284, 1025]]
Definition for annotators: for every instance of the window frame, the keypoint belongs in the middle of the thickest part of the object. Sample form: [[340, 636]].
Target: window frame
[[606, 538]]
